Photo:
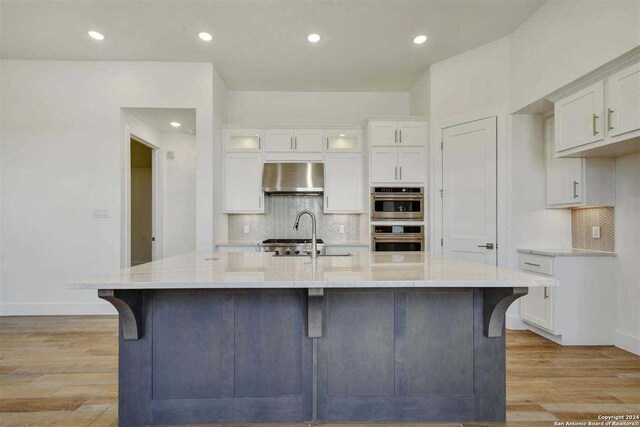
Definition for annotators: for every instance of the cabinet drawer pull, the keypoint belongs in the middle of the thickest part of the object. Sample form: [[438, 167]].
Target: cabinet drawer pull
[[609, 113], [546, 295], [575, 189], [532, 264], [595, 126]]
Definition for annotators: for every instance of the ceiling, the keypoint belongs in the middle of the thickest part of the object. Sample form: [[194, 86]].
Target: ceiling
[[160, 118], [366, 45]]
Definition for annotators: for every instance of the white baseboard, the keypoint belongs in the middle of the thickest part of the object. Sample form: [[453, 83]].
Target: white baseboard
[[628, 342], [515, 323], [56, 309]]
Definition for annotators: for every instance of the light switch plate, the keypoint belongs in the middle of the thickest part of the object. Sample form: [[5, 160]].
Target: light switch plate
[[595, 231], [101, 213], [246, 229]]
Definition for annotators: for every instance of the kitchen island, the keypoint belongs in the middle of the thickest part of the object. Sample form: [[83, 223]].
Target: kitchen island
[[257, 338]]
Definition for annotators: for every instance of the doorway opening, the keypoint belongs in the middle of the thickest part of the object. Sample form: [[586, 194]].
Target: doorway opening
[[141, 202]]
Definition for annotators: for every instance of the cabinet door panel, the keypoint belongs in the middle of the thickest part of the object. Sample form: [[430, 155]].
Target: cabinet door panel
[[412, 134], [243, 140], [411, 164], [623, 92], [383, 133], [308, 140], [243, 182], [343, 183], [279, 140], [384, 163], [579, 118], [564, 176], [343, 140], [537, 307]]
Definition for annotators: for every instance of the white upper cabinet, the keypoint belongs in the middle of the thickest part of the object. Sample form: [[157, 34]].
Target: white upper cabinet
[[577, 182], [307, 140], [243, 183], [411, 134], [579, 118], [243, 140], [383, 133], [411, 164], [289, 140], [601, 120], [343, 183], [623, 101], [392, 133], [279, 140], [343, 140], [384, 164], [397, 151]]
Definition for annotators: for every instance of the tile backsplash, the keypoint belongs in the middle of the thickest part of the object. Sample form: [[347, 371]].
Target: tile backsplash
[[280, 213], [582, 221]]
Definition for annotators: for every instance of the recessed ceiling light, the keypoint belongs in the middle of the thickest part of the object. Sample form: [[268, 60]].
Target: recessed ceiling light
[[313, 38], [96, 35], [420, 39], [175, 124], [205, 36]]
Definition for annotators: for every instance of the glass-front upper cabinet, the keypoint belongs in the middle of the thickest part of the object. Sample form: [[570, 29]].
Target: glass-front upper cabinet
[[343, 140], [243, 140]]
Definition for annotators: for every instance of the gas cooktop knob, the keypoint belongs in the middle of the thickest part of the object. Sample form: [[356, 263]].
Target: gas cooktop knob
[[277, 252], [297, 252], [288, 252]]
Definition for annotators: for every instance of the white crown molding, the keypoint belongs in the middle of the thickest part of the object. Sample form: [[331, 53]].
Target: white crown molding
[[600, 73]]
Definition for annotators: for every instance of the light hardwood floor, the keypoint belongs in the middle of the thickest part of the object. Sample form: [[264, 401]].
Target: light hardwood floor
[[63, 371]]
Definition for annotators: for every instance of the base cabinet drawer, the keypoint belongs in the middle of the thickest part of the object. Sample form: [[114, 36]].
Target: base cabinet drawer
[[537, 264]]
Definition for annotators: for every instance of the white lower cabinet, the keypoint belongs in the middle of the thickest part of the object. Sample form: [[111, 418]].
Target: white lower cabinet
[[581, 311], [343, 183], [243, 183]]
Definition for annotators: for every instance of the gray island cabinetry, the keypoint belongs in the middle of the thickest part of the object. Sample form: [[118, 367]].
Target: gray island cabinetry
[[252, 338]]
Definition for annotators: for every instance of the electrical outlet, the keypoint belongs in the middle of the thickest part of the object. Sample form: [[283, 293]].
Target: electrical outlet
[[341, 229], [595, 231], [246, 229]]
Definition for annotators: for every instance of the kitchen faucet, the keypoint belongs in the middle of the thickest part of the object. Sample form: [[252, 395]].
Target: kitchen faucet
[[314, 243]]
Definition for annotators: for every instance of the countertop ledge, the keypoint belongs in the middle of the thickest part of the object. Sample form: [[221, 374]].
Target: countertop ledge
[[224, 270], [566, 252], [332, 244]]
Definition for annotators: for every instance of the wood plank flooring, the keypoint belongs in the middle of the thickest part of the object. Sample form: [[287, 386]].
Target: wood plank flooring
[[62, 371]]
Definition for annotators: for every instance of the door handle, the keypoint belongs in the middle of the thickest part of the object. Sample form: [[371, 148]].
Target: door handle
[[575, 189], [595, 127], [609, 113], [488, 246]]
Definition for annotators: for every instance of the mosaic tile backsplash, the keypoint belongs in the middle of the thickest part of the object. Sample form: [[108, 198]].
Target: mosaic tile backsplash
[[279, 216], [581, 222]]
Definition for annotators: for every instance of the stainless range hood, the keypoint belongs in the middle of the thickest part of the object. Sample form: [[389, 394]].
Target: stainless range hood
[[293, 178]]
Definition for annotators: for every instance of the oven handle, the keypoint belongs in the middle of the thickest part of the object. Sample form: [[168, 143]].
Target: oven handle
[[412, 238], [398, 196]]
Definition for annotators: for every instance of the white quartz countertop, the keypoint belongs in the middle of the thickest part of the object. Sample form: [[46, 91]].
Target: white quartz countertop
[[360, 270], [564, 252]]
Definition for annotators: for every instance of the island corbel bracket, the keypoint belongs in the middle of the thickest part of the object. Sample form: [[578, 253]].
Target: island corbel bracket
[[496, 301], [130, 308], [314, 312]]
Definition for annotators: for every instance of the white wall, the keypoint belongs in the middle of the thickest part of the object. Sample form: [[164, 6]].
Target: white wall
[[628, 249], [314, 108], [563, 40], [61, 155], [476, 80], [179, 195], [420, 96], [214, 178]]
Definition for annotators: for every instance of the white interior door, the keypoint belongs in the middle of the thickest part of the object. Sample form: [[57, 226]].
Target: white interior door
[[469, 212]]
